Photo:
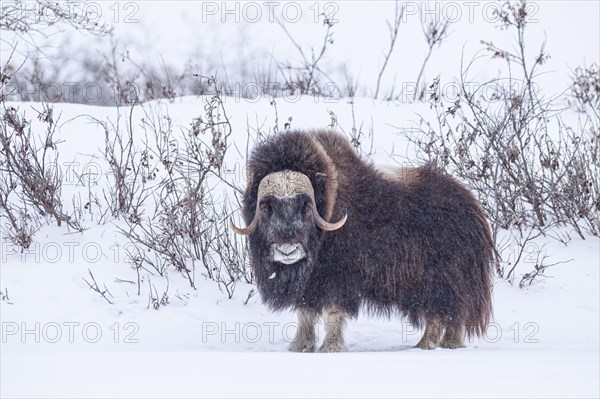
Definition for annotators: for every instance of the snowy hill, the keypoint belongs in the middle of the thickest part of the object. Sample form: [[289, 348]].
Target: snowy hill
[[59, 338]]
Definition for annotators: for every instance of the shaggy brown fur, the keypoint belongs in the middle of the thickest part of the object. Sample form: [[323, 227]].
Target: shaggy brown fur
[[416, 242]]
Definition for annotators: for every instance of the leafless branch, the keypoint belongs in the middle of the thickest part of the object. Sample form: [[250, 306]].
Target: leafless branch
[[393, 30]]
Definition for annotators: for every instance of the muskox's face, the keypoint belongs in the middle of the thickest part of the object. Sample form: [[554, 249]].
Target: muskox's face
[[284, 235], [286, 225]]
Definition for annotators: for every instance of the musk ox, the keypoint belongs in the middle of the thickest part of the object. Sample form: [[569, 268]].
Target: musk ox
[[330, 234]]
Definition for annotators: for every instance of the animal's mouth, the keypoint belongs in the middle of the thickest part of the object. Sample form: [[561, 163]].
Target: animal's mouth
[[287, 253]]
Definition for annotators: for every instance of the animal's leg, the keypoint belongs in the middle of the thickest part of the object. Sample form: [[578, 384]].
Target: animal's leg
[[335, 321], [305, 340], [453, 337], [433, 333]]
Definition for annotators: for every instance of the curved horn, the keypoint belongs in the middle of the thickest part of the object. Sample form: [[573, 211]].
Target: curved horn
[[287, 183], [262, 191], [324, 225], [245, 231]]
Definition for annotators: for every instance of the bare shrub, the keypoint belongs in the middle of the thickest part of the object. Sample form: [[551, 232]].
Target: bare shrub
[[26, 24], [585, 91], [42, 16], [131, 82], [28, 162], [435, 32], [93, 284], [187, 226], [118, 77], [528, 178], [393, 31], [4, 296], [306, 78], [155, 301], [113, 78], [128, 167], [21, 160], [21, 226]]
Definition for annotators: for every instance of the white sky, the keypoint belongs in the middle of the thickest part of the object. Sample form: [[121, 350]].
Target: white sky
[[242, 37]]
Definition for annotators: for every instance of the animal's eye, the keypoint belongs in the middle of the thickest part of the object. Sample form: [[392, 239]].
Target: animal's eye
[[265, 208]]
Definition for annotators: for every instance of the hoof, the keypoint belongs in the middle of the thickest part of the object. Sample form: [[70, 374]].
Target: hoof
[[426, 344], [329, 347], [452, 345], [303, 347]]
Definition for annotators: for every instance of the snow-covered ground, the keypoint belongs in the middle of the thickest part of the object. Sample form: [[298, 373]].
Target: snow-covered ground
[[60, 339]]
